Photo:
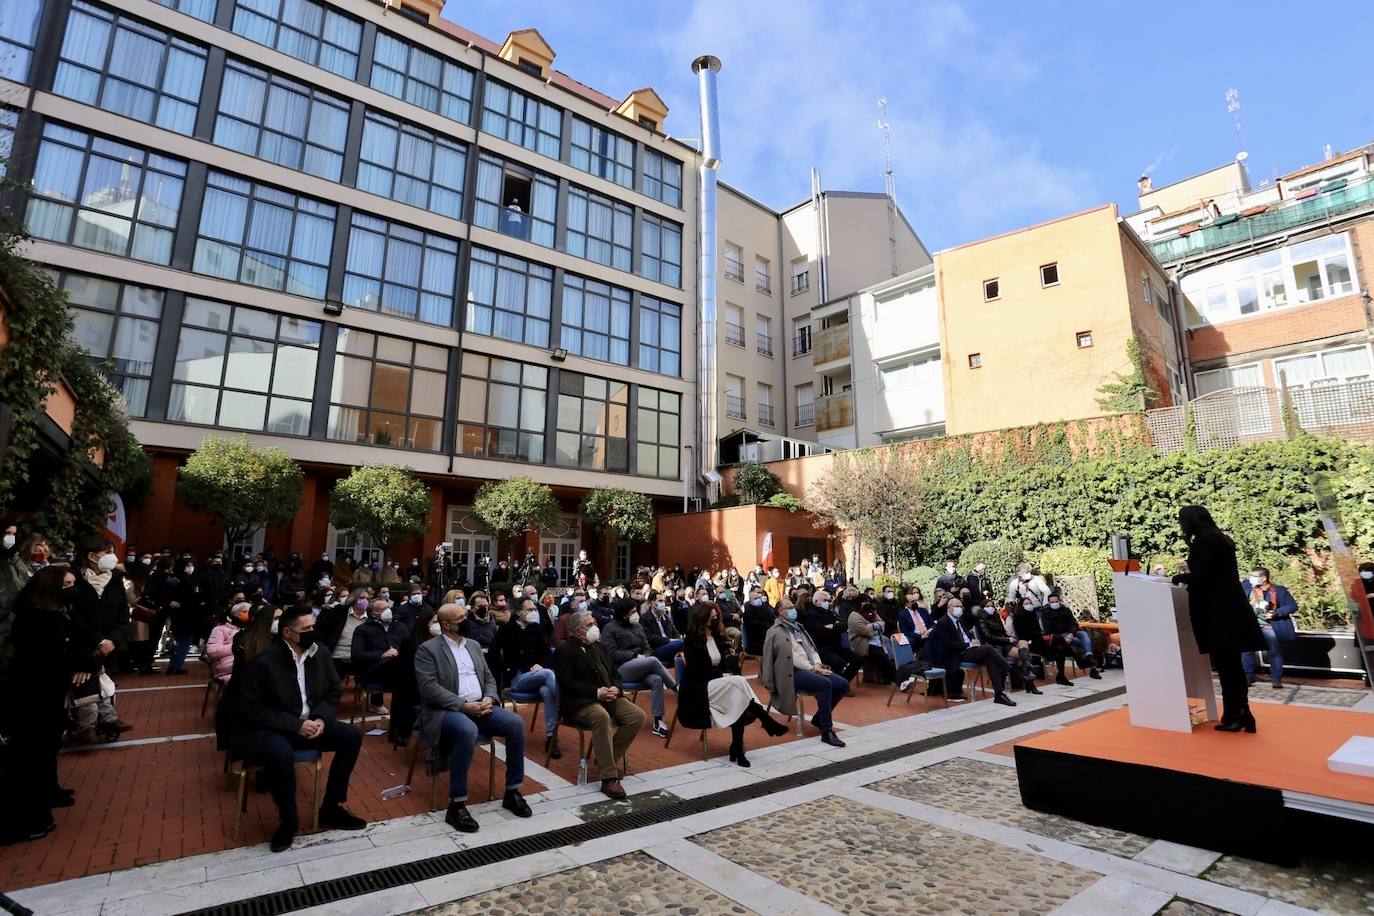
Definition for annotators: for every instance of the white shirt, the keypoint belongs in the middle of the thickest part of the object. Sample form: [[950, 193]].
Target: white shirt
[[300, 658], [469, 687]]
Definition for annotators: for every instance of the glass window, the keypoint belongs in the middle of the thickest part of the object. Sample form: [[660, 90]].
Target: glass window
[[662, 178], [130, 69], [502, 406], [244, 368], [509, 298], [515, 201], [399, 270], [387, 391], [117, 324], [603, 153], [422, 78], [270, 117], [262, 236], [9, 123], [510, 114], [658, 446], [1329, 367], [106, 196], [305, 29], [203, 10], [596, 320], [1295, 275], [599, 229], [660, 256], [660, 335], [412, 165], [592, 417], [18, 32]]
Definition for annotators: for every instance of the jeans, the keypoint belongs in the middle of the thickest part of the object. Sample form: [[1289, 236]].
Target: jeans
[[543, 682], [1250, 662], [459, 734], [274, 754], [181, 645], [1084, 644], [828, 689], [648, 671], [665, 652]]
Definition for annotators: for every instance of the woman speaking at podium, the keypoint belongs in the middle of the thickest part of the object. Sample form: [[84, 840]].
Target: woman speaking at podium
[[1223, 623]]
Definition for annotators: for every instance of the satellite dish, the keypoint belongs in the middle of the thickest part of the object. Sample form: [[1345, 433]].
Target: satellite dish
[[1242, 156]]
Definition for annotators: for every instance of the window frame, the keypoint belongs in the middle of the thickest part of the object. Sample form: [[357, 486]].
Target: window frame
[[544, 142], [1054, 266], [433, 247], [611, 399], [499, 261], [975, 360], [654, 317], [418, 373], [193, 8], [484, 372], [328, 53], [614, 295], [578, 239], [448, 98], [1080, 336], [648, 435], [405, 132], [658, 181], [316, 102], [732, 262], [19, 51], [585, 157], [539, 228], [996, 283], [665, 228], [108, 360]]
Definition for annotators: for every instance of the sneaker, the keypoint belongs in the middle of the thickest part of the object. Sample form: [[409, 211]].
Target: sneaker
[[378, 710], [515, 804], [659, 731], [337, 817], [906, 684], [459, 818]]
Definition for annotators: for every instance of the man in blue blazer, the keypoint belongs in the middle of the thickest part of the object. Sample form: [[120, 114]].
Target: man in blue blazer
[[459, 700], [1274, 608]]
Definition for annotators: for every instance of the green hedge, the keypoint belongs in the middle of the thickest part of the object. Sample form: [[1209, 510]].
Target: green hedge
[[1002, 556], [923, 577], [1072, 561], [1261, 494]]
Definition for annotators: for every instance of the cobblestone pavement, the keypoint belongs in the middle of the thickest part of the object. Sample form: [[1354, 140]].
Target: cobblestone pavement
[[859, 859], [624, 886], [1180, 907], [998, 799], [1262, 692], [1321, 884]]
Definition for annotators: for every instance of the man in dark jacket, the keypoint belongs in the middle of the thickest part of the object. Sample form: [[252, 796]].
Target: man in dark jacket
[[591, 694], [951, 581], [979, 583], [825, 628], [951, 645], [288, 697], [989, 630], [758, 617], [1274, 609], [376, 644], [1058, 620], [214, 583]]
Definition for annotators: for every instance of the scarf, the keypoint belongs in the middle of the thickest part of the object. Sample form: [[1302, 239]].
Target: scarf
[[800, 636], [98, 580]]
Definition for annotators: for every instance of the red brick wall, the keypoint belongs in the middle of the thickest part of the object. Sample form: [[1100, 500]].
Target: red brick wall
[[1274, 329], [721, 538]]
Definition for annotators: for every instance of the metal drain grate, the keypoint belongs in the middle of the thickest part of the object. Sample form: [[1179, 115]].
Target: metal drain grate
[[336, 889]]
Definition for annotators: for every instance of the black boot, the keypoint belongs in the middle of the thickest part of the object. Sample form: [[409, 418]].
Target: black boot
[[771, 726], [737, 745]]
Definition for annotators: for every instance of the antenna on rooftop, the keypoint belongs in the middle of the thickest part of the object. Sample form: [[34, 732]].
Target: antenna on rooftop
[[1233, 108], [889, 184]]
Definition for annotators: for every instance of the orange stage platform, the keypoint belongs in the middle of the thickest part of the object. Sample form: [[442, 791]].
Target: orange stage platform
[[1252, 795]]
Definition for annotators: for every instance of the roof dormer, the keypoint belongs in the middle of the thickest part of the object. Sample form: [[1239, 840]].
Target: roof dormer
[[645, 107], [420, 10], [528, 50]]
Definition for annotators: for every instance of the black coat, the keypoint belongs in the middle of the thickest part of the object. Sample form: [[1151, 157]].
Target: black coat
[[517, 650], [189, 593], [269, 699], [693, 703], [370, 640], [946, 645], [826, 631], [49, 647], [659, 630], [757, 620], [578, 675], [100, 616], [1222, 618]]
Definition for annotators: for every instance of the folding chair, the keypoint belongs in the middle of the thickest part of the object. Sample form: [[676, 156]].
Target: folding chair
[[303, 758], [979, 681], [748, 650], [901, 654], [515, 697], [680, 669], [582, 746], [434, 767], [801, 710], [363, 691], [212, 686]]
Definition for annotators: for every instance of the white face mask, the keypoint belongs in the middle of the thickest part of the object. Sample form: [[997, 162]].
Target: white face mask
[[956, 612], [107, 562], [531, 616], [660, 606], [1255, 581], [190, 570], [1367, 575], [593, 633], [634, 618], [387, 616], [435, 629], [8, 541], [275, 624], [1053, 604]]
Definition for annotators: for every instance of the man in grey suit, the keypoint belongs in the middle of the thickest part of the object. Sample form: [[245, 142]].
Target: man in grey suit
[[459, 701]]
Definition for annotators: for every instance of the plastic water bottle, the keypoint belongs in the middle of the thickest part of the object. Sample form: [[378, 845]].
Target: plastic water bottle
[[582, 771]]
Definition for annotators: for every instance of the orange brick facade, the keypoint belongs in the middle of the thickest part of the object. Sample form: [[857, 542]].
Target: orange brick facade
[[722, 538]]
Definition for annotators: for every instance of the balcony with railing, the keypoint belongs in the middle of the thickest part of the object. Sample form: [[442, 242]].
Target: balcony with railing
[[765, 414], [831, 344], [834, 411], [764, 343], [764, 284], [734, 334], [806, 415], [801, 282], [734, 272], [801, 342], [734, 406], [1335, 199]]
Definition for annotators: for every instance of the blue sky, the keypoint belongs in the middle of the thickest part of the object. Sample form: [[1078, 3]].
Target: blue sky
[[1003, 113]]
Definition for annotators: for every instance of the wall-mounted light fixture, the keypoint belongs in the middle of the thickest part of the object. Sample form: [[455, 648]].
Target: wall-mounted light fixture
[[558, 355], [333, 308]]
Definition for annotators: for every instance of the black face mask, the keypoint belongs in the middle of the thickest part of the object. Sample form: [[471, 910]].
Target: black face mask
[[465, 627], [68, 593], [305, 640]]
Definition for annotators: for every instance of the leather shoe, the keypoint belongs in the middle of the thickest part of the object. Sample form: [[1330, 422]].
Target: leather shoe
[[121, 726], [1033, 690], [832, 739], [516, 804], [612, 788], [459, 818], [1095, 674], [281, 840], [337, 817], [1062, 680], [551, 746], [62, 800], [1003, 700]]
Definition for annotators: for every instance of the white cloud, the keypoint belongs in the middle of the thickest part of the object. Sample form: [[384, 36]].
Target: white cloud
[[798, 88]]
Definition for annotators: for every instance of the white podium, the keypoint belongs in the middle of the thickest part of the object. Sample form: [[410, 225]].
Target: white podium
[[1164, 669]]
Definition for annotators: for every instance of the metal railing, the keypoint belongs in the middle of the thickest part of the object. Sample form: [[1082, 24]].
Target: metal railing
[[806, 415], [763, 284], [801, 343], [734, 272], [801, 282], [734, 406], [1224, 232], [765, 414], [734, 334], [1238, 416], [764, 342]]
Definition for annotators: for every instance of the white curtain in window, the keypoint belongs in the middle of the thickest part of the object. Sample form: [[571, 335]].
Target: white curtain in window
[[1346, 364], [312, 238]]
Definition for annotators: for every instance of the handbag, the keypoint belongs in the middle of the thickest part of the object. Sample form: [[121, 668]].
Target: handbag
[[143, 614], [86, 693]]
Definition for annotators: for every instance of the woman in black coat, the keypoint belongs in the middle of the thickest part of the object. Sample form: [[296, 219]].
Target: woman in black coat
[[405, 695], [51, 655], [1223, 623], [712, 692]]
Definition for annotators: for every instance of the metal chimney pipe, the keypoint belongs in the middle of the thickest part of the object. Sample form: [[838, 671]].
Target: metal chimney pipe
[[706, 67]]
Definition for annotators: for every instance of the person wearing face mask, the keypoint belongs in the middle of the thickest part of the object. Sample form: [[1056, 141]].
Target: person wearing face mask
[[460, 700], [102, 615], [989, 630], [951, 581], [625, 640], [759, 616], [374, 650], [792, 664], [826, 627], [51, 656], [14, 575], [664, 638], [186, 608], [592, 694], [774, 587], [950, 644], [914, 621], [866, 630], [405, 695], [1025, 583], [246, 579], [288, 700], [888, 608], [219, 648], [336, 625], [1274, 608], [521, 652], [480, 627], [1059, 621], [979, 583]]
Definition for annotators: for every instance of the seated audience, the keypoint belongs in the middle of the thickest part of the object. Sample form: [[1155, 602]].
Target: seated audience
[[376, 645], [523, 652], [628, 647], [792, 664], [866, 640], [658, 626], [952, 645]]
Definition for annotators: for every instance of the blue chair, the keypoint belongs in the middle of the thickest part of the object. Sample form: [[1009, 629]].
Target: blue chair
[[516, 697], [901, 654], [679, 670], [303, 758], [979, 683], [748, 650]]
